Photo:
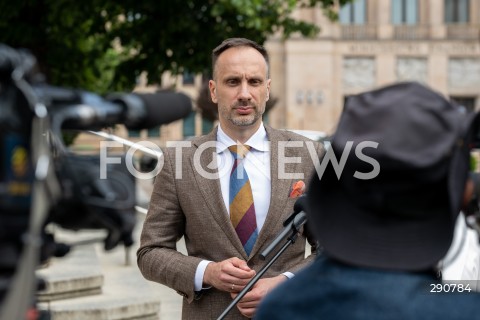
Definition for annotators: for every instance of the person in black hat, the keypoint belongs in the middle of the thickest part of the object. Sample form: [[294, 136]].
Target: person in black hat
[[387, 219]]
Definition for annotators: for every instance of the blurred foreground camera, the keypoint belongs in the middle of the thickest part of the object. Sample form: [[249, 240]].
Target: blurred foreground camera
[[41, 182]]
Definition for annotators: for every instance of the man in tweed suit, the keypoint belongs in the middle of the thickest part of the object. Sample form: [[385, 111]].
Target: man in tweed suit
[[191, 195]]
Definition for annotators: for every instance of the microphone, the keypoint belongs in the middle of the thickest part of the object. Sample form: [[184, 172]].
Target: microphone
[[292, 225], [82, 110], [299, 206], [149, 110]]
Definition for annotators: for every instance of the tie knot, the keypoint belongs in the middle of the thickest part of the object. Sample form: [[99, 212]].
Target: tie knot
[[239, 151]]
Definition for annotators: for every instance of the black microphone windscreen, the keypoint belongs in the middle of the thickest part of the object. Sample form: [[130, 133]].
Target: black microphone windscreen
[[162, 108], [300, 204]]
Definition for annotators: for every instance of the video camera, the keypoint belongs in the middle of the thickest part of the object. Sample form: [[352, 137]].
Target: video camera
[[41, 182]]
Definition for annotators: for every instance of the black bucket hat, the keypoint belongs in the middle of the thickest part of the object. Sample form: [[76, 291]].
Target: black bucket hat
[[394, 204]]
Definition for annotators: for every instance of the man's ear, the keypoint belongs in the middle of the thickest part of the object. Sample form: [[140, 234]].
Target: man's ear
[[213, 90]]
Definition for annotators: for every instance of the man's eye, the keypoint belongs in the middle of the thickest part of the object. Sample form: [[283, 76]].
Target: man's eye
[[232, 82]]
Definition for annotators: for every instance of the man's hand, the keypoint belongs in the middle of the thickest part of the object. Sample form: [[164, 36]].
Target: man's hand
[[230, 275], [249, 303]]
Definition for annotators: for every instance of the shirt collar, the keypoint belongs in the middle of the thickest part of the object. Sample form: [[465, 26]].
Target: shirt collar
[[258, 141]]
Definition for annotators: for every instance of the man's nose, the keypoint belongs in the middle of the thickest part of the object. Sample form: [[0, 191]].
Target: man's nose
[[244, 93]]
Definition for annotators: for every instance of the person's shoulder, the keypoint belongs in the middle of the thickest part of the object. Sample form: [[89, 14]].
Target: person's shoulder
[[296, 137], [289, 136], [284, 134], [191, 143]]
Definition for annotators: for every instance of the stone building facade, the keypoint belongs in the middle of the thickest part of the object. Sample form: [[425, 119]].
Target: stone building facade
[[374, 43]]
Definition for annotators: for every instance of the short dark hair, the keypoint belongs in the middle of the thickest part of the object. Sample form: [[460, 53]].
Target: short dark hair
[[237, 42]]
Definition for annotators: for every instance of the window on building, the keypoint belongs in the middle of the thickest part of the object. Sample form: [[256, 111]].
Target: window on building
[[189, 125], [354, 13], [188, 78], [207, 125], [134, 133], [266, 118], [456, 11], [467, 102], [404, 11], [154, 132]]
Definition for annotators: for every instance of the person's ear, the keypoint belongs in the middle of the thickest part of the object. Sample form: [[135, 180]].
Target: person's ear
[[213, 90]]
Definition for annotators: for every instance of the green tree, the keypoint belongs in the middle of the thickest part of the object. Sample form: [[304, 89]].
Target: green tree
[[104, 45]]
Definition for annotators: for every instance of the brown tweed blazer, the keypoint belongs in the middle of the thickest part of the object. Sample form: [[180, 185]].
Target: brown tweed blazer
[[192, 206]]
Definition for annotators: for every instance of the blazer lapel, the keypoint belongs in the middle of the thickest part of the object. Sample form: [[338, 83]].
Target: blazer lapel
[[211, 190], [279, 191]]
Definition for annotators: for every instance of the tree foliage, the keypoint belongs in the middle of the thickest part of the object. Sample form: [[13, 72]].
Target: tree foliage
[[104, 45]]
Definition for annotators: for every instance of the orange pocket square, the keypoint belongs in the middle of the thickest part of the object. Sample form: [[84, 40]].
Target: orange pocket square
[[298, 189]]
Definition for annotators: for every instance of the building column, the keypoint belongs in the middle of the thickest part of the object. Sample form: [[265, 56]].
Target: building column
[[438, 29], [384, 26], [424, 12], [385, 69], [475, 12], [278, 88], [438, 72]]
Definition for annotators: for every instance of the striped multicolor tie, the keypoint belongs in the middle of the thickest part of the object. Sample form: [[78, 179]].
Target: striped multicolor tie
[[242, 210]]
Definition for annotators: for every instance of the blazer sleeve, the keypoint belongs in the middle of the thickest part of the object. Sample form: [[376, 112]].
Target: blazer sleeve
[[157, 256]]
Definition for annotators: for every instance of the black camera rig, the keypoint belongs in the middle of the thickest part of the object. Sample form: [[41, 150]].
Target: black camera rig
[[41, 182]]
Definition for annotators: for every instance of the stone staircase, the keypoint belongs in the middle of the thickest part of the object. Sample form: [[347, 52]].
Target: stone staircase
[[92, 284], [79, 274]]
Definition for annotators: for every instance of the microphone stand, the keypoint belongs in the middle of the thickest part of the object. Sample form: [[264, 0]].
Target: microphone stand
[[291, 230]]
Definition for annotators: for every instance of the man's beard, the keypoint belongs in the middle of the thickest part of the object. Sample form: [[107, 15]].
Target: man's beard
[[243, 120]]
